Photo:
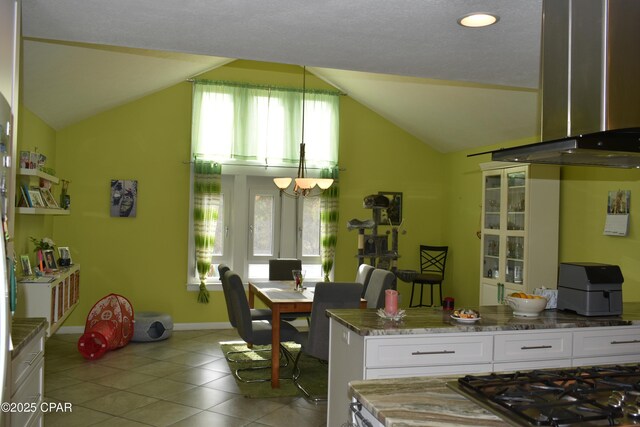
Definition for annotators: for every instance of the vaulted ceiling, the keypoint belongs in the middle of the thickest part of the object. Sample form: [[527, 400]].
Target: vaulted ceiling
[[453, 88]]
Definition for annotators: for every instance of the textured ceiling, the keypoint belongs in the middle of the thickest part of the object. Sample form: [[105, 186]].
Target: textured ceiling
[[451, 87]]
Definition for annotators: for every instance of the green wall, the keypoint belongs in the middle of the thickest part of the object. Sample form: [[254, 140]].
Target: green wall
[[145, 258], [34, 135], [583, 203]]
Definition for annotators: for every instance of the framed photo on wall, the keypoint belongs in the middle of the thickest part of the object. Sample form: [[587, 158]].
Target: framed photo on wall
[[393, 214], [124, 198]]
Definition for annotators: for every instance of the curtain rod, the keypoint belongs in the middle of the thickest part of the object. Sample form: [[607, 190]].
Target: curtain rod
[[266, 166], [262, 86]]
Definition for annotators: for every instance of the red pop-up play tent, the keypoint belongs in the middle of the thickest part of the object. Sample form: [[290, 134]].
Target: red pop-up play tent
[[109, 326]]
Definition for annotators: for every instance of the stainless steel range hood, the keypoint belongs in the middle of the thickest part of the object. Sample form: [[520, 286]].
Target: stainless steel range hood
[[590, 75]]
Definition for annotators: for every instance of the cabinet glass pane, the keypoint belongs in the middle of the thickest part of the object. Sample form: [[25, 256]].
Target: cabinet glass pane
[[515, 200], [491, 255], [492, 202], [515, 260]]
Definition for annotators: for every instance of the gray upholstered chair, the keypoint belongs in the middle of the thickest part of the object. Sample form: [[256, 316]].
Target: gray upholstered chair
[[380, 281], [253, 332], [363, 275], [280, 268], [256, 313], [315, 342]]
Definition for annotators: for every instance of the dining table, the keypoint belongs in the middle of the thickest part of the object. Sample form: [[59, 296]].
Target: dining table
[[282, 297]]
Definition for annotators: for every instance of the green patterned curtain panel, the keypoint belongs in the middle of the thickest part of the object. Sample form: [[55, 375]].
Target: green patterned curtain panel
[[206, 202], [250, 123], [329, 222]]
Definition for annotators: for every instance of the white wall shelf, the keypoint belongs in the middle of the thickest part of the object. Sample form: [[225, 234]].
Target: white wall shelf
[[42, 211], [38, 173]]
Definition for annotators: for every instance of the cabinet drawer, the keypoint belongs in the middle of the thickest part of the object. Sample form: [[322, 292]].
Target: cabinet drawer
[[427, 371], [531, 364], [606, 342], [29, 392], [427, 351], [25, 360], [532, 346]]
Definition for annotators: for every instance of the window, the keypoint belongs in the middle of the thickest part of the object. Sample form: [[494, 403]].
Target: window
[[243, 127]]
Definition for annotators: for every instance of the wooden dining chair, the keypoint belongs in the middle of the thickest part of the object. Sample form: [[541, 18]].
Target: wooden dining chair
[[315, 342], [253, 332], [433, 260], [380, 281]]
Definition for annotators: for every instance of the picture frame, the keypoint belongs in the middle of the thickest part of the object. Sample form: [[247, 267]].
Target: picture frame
[[48, 198], [36, 198], [50, 259], [25, 159], [26, 265], [393, 214], [34, 158], [65, 255], [124, 198]]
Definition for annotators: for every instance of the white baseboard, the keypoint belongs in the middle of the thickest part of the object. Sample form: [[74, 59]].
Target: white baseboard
[[178, 326]]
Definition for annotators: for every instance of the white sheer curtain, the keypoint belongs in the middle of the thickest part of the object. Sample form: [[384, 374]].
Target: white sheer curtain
[[254, 123]]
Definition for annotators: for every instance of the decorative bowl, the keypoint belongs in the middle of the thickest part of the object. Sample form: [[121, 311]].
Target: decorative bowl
[[526, 307]]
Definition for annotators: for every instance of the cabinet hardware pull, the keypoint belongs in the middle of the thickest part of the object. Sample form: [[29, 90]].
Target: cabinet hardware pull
[[535, 347], [356, 407], [33, 359], [420, 353], [625, 342]]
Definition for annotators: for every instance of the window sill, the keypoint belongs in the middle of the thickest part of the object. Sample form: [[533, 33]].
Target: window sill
[[195, 287]]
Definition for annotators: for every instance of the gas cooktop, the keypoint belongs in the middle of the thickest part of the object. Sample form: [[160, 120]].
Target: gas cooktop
[[605, 395]]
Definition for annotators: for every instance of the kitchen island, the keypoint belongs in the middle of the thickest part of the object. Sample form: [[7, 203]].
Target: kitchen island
[[428, 342]]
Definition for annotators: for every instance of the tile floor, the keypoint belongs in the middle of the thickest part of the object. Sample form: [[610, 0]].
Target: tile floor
[[181, 381]]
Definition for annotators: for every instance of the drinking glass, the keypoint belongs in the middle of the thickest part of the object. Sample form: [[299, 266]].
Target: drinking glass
[[298, 277]]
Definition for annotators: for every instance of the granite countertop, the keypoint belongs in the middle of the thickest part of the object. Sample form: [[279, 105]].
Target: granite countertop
[[23, 329], [493, 318], [423, 401]]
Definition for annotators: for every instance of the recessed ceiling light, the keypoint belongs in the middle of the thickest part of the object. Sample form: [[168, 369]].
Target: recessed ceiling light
[[475, 20]]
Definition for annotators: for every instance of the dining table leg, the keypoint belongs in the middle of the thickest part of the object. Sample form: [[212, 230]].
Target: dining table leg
[[275, 346], [251, 298]]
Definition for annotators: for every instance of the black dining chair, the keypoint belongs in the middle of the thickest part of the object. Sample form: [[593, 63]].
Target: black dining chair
[[281, 268], [315, 342], [253, 332], [433, 260], [380, 281], [364, 275]]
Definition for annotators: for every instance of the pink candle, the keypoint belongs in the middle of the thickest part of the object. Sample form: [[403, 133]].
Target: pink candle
[[391, 301]]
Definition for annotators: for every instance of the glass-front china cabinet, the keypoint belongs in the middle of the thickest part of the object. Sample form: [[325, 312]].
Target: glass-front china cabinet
[[519, 239]]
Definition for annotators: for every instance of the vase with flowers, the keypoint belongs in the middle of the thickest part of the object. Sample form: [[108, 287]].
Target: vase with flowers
[[42, 245]]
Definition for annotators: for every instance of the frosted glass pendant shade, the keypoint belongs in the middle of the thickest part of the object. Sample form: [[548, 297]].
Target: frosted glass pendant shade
[[282, 183]]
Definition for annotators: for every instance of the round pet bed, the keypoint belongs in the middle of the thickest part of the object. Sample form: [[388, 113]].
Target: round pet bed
[[152, 326]]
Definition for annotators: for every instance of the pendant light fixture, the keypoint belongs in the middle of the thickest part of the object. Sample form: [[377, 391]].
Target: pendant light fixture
[[303, 185]]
